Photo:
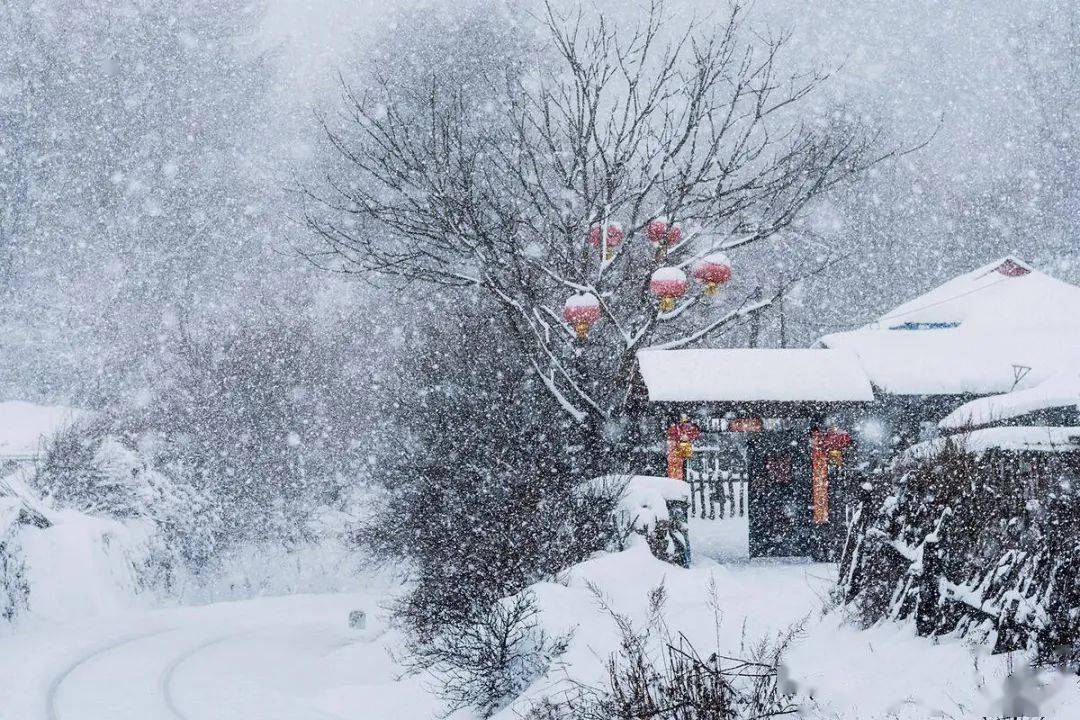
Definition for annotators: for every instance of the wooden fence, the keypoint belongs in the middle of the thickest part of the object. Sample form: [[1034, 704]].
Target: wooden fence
[[715, 492]]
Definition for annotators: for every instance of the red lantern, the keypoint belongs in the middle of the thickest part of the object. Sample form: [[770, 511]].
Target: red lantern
[[680, 443], [669, 284], [714, 270], [615, 236], [656, 231], [660, 233], [834, 441], [674, 234], [582, 311]]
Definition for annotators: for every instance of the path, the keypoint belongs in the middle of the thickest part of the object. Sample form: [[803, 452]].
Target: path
[[285, 658]]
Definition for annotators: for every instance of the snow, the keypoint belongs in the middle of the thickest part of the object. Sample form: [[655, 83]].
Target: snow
[[840, 672], [1015, 438], [1061, 390], [644, 490], [645, 497], [284, 658], [297, 658], [669, 274], [82, 567], [24, 426], [781, 375], [582, 300], [716, 258], [972, 334]]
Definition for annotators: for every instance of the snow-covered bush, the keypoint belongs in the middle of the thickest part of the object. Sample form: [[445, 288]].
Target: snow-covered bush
[[654, 508], [984, 545], [486, 662], [656, 675], [227, 476], [60, 564], [131, 477]]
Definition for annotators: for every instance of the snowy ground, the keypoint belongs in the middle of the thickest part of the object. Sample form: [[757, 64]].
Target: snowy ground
[[25, 426], [295, 657]]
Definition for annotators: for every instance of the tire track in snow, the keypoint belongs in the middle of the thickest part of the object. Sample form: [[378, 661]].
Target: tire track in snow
[[167, 675], [58, 680], [166, 679]]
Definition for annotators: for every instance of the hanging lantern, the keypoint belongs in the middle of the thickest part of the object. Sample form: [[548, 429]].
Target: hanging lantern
[[615, 236], [714, 270], [826, 448], [680, 440], [656, 231], [674, 234], [834, 441], [662, 234], [582, 311], [669, 284]]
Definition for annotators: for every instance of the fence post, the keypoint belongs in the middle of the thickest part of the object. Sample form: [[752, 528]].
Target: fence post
[[693, 499]]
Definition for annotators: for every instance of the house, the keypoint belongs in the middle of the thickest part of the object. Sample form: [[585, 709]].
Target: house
[[1002, 327], [765, 414], [1026, 425], [1054, 401]]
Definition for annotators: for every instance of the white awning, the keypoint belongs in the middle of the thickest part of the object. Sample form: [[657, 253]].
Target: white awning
[[754, 375]]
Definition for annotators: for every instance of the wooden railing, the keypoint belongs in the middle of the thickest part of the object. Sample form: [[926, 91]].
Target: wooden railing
[[715, 492]]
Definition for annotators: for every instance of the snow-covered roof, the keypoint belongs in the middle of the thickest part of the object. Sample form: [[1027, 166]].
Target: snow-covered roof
[[24, 426], [1014, 438], [1061, 390], [976, 334], [753, 375]]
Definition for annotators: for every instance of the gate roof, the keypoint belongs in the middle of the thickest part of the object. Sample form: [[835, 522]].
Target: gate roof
[[815, 376]]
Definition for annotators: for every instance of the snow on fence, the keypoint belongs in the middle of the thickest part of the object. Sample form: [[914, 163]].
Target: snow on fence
[[715, 490]]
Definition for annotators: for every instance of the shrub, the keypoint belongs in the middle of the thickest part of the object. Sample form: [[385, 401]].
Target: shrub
[[131, 476], [675, 681], [486, 661], [981, 545], [14, 592]]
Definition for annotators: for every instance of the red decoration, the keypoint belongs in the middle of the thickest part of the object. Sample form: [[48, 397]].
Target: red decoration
[[1011, 268], [680, 443], [674, 234], [746, 424], [669, 284], [656, 231], [714, 270], [661, 233], [615, 236], [835, 439], [582, 311], [826, 448]]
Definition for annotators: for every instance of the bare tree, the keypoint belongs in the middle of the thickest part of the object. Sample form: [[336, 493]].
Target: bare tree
[[500, 190]]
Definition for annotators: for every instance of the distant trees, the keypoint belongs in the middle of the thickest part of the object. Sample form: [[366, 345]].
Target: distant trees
[[241, 438], [22, 60], [130, 193], [497, 187]]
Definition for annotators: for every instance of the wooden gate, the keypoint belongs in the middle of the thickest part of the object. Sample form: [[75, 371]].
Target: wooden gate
[[717, 486]]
